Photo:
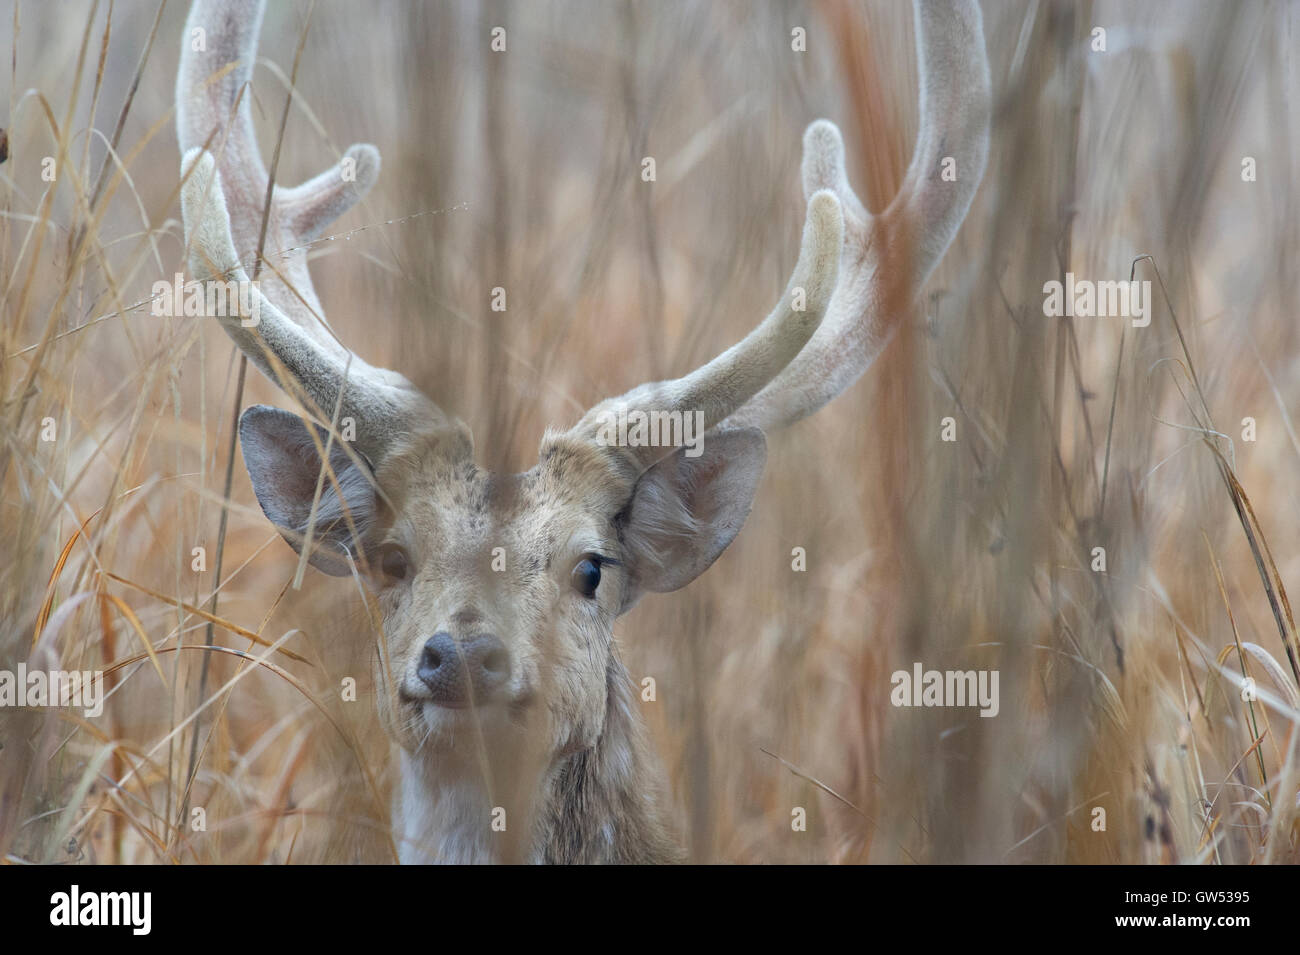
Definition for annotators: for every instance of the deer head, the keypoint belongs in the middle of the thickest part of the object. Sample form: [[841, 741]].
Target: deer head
[[497, 672]]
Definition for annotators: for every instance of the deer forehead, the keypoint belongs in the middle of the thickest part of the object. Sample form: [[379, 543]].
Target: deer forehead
[[509, 524]]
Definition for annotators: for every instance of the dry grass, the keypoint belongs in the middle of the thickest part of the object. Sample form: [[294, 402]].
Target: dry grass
[[1118, 690]]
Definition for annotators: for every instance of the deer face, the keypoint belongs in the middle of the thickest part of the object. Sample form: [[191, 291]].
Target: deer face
[[498, 593], [495, 591]]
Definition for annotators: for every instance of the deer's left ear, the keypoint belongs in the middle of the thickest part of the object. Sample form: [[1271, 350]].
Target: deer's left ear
[[686, 510]]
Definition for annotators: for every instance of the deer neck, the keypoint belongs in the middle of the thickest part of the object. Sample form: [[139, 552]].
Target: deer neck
[[600, 804]]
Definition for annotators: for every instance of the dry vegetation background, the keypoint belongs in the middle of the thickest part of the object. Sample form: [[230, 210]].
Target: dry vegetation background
[[522, 170]]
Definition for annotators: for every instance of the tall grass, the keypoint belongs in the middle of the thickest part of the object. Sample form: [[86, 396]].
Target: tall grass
[[1121, 690]]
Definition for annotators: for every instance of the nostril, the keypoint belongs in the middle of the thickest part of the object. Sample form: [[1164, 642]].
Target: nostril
[[431, 658], [496, 661], [489, 662], [437, 668]]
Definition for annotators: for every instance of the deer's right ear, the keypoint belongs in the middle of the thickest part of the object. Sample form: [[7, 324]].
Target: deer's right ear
[[284, 465]]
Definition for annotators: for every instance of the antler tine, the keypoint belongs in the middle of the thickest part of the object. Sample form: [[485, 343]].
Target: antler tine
[[719, 387], [955, 99], [379, 400], [223, 200], [887, 258]]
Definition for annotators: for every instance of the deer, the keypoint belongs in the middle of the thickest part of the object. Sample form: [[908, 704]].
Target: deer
[[502, 688]]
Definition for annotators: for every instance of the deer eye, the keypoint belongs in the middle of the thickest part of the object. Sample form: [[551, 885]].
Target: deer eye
[[393, 562], [586, 576]]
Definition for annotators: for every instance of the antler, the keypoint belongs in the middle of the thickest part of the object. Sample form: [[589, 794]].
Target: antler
[[887, 258], [794, 363], [718, 388], [223, 200]]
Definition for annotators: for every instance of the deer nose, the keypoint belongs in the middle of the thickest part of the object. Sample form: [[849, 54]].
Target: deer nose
[[457, 672]]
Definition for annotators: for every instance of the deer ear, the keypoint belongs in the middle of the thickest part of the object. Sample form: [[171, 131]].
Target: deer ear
[[686, 510], [284, 466]]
